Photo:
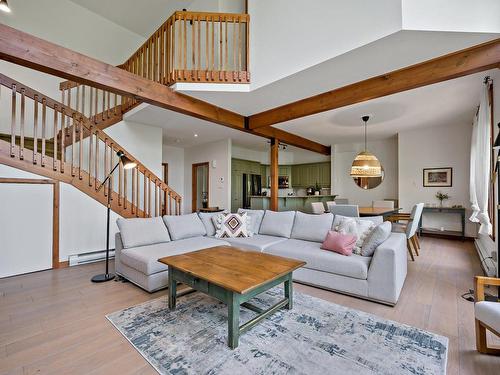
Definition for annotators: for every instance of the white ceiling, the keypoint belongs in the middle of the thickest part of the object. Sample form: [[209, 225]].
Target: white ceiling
[[141, 17], [393, 52]]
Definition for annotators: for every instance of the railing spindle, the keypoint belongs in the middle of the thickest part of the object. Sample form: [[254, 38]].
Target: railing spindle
[[144, 196], [80, 149], [120, 187], [35, 129], [13, 121], [91, 150], [56, 135], [63, 135], [134, 171], [96, 166], [21, 142], [125, 188], [105, 166], [44, 120], [73, 142]]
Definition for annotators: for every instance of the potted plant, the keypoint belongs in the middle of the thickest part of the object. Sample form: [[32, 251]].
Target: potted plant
[[317, 189], [442, 197]]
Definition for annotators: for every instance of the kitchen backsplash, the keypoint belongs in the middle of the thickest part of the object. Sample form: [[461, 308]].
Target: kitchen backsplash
[[293, 191]]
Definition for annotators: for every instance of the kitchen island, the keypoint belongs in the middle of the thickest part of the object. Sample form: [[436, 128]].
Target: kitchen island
[[290, 203]]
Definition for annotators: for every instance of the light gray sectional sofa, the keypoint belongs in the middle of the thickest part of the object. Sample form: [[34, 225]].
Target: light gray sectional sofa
[[141, 242]]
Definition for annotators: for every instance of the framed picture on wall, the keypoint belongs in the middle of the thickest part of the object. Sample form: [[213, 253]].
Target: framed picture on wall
[[438, 177]]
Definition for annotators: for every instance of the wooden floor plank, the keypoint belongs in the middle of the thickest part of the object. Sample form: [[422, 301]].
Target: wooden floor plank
[[53, 322]]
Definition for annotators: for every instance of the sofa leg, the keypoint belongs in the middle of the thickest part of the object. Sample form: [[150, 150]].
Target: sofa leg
[[408, 244]]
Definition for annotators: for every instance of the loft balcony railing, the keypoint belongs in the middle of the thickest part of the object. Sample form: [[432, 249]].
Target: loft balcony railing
[[196, 47]]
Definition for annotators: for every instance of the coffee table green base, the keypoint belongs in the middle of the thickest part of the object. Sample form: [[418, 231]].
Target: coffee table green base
[[232, 299]]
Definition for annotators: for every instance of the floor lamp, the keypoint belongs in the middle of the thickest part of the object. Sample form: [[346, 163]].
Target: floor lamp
[[127, 164]]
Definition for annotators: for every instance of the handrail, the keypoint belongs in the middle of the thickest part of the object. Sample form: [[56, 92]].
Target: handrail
[[213, 48], [73, 124]]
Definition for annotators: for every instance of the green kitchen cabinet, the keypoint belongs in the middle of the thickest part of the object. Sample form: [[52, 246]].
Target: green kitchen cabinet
[[305, 175]]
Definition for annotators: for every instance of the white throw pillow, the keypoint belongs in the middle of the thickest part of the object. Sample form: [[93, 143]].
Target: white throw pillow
[[356, 227], [378, 235], [229, 225]]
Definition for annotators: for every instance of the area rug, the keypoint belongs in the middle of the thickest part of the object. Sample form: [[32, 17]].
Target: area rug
[[316, 337]]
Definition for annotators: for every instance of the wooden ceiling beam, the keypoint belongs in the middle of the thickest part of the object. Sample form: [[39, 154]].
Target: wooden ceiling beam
[[457, 64], [27, 50]]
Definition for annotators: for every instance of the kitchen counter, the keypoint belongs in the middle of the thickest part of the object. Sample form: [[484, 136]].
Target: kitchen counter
[[289, 203]]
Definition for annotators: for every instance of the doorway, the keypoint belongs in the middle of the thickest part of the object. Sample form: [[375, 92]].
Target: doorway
[[200, 186], [29, 222]]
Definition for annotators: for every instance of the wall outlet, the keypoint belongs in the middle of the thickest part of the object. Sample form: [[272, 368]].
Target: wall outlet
[[214, 163]]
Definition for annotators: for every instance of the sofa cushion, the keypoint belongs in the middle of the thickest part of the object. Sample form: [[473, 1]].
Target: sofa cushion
[[257, 242], [141, 232], [311, 227], [229, 225], [255, 217], [355, 266], [278, 224], [374, 219], [378, 235], [184, 226], [145, 258], [206, 219], [488, 313]]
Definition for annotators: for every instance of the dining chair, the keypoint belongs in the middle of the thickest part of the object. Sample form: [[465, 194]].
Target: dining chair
[[341, 200], [329, 204], [383, 204], [351, 210], [318, 208], [411, 228]]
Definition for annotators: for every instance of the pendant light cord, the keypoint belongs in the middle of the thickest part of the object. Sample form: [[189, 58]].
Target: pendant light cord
[[365, 136]]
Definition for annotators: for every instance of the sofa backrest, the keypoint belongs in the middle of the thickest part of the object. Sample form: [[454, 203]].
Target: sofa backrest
[[311, 227], [184, 226], [277, 224], [207, 220], [142, 231]]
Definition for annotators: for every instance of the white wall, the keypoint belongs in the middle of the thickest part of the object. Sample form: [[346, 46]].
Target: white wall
[[319, 29], [144, 142], [436, 147], [174, 156], [343, 184], [219, 191], [452, 15]]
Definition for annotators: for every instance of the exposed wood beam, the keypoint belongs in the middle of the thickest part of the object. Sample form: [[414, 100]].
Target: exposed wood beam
[[35, 53], [274, 174], [457, 64]]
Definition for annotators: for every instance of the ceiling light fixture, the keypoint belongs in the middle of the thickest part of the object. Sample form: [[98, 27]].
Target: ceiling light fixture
[[366, 164], [195, 135], [4, 6]]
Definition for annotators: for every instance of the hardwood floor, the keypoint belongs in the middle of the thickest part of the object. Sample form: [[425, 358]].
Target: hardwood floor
[[53, 322]]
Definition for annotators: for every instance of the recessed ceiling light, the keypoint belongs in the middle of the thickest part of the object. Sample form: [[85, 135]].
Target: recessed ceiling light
[[177, 140], [195, 135], [4, 6]]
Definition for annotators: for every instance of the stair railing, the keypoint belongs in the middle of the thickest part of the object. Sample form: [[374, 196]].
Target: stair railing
[[195, 47], [137, 192], [101, 107]]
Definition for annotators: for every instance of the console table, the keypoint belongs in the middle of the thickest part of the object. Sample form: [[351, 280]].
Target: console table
[[446, 210]]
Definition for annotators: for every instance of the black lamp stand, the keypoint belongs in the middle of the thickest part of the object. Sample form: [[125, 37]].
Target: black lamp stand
[[106, 276]]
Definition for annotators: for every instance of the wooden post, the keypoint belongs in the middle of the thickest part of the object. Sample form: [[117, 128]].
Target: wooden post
[[274, 174]]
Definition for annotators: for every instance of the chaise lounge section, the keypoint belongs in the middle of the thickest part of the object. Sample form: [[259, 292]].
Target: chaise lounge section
[[141, 242]]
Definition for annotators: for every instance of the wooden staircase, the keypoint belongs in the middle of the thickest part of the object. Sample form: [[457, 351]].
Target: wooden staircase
[[53, 140]]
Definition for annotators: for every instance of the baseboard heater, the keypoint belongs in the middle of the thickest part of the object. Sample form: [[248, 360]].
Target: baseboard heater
[[96, 256], [487, 262]]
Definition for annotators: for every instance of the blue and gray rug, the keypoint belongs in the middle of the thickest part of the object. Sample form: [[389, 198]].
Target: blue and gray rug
[[316, 337]]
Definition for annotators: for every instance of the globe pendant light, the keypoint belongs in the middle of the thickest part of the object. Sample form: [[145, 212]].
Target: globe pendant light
[[366, 164]]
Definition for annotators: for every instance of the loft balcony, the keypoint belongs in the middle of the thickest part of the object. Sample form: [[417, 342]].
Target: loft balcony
[[196, 48]]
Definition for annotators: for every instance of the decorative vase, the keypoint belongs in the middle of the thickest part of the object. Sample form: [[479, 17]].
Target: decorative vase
[[316, 192]]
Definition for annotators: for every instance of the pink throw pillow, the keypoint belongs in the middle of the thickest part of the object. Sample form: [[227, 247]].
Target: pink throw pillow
[[339, 243]]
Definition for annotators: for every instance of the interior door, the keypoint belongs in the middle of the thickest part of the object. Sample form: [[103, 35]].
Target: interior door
[[26, 225]]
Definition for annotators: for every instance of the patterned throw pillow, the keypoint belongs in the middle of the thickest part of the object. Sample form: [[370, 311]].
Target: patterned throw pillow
[[357, 227], [229, 225]]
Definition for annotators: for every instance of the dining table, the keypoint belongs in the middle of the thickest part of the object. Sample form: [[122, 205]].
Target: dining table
[[378, 211]]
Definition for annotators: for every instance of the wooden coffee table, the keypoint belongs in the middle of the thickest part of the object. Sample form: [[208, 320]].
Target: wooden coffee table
[[233, 276]]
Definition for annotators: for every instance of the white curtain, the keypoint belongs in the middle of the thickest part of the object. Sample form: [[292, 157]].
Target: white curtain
[[480, 163]]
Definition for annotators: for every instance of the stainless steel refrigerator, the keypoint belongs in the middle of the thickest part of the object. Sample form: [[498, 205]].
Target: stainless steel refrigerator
[[252, 185]]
